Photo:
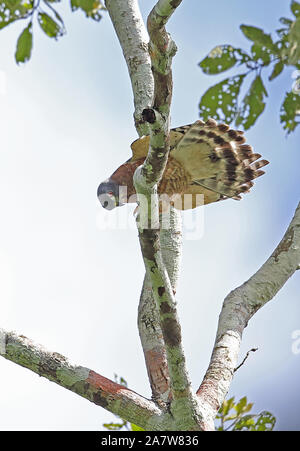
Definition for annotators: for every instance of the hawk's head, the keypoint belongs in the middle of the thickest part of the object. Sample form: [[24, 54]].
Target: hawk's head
[[108, 194]]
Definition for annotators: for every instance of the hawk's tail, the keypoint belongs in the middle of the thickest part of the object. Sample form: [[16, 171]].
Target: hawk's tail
[[218, 159]]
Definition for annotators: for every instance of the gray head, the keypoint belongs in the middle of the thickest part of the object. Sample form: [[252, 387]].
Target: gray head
[[108, 194]]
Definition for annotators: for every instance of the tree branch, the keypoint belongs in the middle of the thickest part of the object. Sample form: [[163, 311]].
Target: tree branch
[[134, 40], [183, 405], [82, 381], [130, 29], [148, 317], [239, 307]]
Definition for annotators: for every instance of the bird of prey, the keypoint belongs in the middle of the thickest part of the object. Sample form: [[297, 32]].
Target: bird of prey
[[206, 158]]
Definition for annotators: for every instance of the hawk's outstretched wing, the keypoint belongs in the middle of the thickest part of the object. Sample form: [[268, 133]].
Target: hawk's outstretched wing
[[205, 158]]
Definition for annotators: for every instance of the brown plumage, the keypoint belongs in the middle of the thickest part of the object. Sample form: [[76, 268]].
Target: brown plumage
[[206, 159]]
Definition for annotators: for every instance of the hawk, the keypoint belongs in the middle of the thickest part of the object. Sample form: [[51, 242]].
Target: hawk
[[205, 158]]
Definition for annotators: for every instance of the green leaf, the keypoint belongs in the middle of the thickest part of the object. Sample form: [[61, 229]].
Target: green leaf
[[294, 41], [290, 111], [4, 22], [261, 54], [49, 26], [220, 101], [241, 405], [113, 426], [277, 69], [245, 423], [134, 427], [24, 45], [12, 10], [123, 381], [283, 34], [285, 21], [58, 17], [120, 380], [283, 46], [230, 417], [295, 7], [222, 58], [90, 7], [253, 104], [265, 422], [258, 36], [227, 406]]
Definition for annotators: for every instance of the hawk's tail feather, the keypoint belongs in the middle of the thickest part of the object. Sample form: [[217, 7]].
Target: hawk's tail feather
[[231, 164]]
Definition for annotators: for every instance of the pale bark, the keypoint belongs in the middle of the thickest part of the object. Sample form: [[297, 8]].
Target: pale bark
[[148, 317], [134, 42], [133, 37], [182, 404]]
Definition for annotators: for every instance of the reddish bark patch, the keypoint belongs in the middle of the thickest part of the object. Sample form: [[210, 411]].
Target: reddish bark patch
[[207, 390], [158, 370], [100, 382]]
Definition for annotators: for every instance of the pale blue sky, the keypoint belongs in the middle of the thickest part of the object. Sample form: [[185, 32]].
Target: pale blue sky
[[66, 124]]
